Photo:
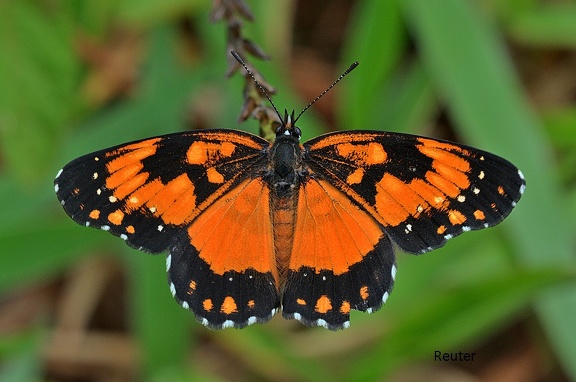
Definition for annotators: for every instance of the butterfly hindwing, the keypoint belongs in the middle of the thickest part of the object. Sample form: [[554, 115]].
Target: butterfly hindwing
[[224, 269], [423, 191], [341, 259]]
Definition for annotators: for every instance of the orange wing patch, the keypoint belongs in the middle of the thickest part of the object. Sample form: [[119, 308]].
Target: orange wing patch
[[331, 233], [235, 232]]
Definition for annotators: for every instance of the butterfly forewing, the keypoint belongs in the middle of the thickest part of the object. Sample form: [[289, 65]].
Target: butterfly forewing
[[423, 191], [145, 191]]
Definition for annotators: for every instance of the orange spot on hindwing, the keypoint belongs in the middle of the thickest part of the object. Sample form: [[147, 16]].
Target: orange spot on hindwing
[[323, 305], [345, 307], [229, 306], [207, 305]]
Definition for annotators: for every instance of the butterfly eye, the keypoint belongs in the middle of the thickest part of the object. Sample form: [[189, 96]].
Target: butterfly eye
[[296, 132]]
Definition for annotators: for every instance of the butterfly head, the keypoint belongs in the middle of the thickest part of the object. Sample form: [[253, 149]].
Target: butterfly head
[[288, 127]]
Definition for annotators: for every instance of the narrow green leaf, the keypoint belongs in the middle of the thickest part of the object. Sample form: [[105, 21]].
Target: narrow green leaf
[[376, 38]]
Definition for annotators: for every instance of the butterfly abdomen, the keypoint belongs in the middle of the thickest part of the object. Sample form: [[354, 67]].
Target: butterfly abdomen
[[283, 212]]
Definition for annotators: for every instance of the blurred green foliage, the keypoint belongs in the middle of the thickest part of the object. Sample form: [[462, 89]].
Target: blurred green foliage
[[455, 297]]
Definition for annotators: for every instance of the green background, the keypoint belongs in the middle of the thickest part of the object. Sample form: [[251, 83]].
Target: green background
[[423, 65]]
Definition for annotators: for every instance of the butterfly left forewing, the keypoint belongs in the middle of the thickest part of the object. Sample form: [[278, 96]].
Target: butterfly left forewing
[[423, 191]]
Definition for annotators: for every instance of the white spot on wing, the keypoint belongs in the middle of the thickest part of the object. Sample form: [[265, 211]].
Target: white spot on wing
[[393, 272], [185, 305], [105, 228], [227, 324], [385, 297], [56, 187], [409, 227], [160, 228], [123, 237], [251, 320], [168, 262], [172, 289], [59, 173], [321, 322]]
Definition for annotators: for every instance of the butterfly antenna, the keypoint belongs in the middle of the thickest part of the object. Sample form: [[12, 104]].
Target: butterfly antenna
[[241, 61], [350, 68]]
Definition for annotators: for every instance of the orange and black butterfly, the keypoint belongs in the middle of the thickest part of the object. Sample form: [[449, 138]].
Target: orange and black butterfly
[[253, 227]]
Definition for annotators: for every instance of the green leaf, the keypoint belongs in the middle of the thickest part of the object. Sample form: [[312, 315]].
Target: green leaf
[[39, 79], [547, 25], [376, 39]]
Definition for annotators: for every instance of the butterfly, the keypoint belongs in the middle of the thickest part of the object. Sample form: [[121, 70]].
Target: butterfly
[[252, 228]]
